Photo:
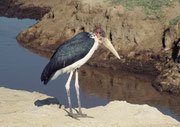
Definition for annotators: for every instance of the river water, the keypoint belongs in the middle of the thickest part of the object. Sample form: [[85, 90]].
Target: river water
[[21, 69]]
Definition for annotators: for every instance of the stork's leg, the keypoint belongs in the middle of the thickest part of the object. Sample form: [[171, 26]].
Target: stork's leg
[[77, 92], [68, 92]]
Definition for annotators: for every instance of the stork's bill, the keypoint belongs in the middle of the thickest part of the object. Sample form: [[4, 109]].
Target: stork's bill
[[100, 34], [108, 45]]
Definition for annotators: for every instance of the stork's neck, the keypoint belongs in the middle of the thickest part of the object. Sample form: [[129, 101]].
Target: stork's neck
[[96, 38]]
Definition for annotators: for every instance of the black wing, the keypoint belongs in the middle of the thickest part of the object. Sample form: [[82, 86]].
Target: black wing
[[68, 53]]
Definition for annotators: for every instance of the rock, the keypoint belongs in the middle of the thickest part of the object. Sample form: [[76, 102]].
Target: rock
[[21, 108], [169, 78]]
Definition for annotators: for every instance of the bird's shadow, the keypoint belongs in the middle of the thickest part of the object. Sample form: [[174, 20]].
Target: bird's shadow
[[47, 101]]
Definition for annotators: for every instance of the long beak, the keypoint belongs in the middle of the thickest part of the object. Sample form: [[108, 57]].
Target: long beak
[[108, 45]]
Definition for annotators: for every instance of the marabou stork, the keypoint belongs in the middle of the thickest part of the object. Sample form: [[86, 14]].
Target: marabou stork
[[71, 55]]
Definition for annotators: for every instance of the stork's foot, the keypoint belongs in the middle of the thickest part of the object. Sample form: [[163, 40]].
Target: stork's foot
[[83, 115], [76, 116], [72, 115], [79, 113]]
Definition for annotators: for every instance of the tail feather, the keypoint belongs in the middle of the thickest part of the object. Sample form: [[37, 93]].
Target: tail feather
[[46, 74]]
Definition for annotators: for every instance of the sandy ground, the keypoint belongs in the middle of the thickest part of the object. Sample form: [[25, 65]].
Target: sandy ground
[[26, 109]]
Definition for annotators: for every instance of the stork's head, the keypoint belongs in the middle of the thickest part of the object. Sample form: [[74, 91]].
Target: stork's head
[[100, 34]]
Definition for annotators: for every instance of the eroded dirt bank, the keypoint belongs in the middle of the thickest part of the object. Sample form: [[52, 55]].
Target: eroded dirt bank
[[146, 44]]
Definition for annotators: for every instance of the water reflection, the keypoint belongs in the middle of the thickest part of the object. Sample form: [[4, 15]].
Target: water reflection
[[133, 88]]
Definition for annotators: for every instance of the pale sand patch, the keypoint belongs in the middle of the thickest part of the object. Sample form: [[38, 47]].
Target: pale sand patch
[[18, 109]]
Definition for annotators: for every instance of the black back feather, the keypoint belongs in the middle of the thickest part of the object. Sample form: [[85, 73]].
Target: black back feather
[[68, 53]]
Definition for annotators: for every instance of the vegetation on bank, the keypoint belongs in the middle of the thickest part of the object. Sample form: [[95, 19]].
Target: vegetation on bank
[[150, 6], [174, 20]]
